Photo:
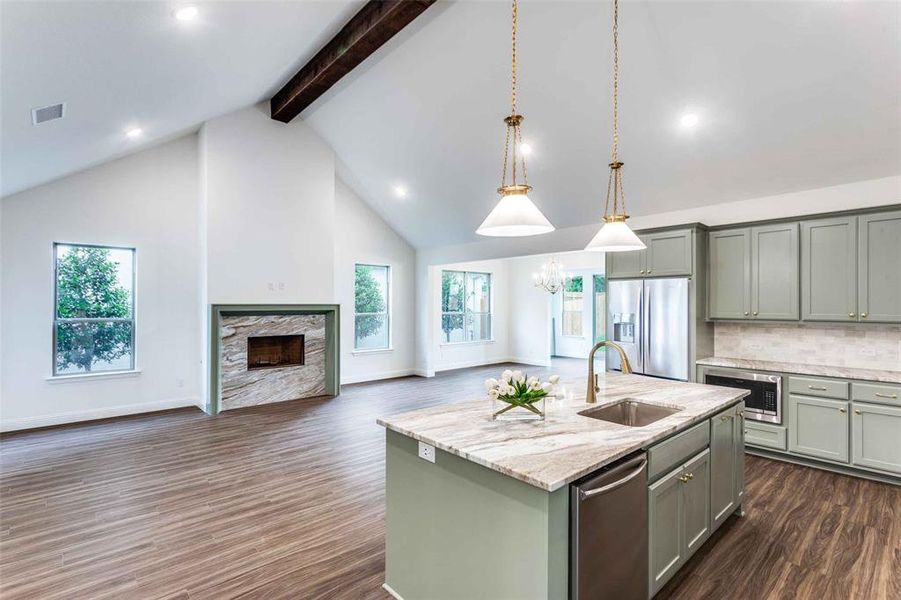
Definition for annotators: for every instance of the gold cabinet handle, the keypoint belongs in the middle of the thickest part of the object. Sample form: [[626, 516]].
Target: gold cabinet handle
[[642, 271], [842, 410], [691, 475], [683, 478], [746, 313], [649, 271], [755, 313], [856, 411], [863, 315], [817, 388], [889, 396], [723, 418], [851, 315]]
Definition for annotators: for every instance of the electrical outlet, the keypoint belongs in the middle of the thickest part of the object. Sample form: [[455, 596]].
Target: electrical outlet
[[271, 286], [755, 346], [868, 351], [426, 452], [281, 286]]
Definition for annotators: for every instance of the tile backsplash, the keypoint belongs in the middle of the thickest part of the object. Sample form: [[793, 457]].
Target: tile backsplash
[[866, 346]]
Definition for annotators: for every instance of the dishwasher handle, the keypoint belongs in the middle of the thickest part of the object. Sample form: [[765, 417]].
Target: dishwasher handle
[[583, 495]]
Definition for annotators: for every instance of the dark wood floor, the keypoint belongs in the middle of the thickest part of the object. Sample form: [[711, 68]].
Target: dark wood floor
[[286, 501]]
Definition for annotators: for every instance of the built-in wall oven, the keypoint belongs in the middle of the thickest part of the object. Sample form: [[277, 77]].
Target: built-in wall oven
[[764, 403]]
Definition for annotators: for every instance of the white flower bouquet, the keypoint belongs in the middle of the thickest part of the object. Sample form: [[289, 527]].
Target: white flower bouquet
[[519, 391]]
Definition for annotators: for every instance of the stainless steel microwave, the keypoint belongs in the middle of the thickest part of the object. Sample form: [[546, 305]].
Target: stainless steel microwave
[[764, 403]]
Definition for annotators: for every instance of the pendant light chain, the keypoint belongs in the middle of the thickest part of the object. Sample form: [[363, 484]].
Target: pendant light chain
[[514, 133], [615, 78], [615, 180]]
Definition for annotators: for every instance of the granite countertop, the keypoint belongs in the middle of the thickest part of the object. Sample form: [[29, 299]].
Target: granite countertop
[[802, 369], [565, 446]]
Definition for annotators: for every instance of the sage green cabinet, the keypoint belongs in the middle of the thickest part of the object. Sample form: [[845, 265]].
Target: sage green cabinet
[[879, 267], [829, 269], [727, 463], [775, 272], [668, 254], [754, 273], [876, 437], [740, 453], [729, 268], [679, 517], [818, 427]]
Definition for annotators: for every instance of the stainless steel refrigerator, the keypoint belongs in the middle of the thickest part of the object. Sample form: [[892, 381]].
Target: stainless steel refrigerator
[[649, 319]]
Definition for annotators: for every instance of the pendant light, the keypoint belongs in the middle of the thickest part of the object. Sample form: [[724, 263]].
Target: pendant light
[[615, 235], [515, 215]]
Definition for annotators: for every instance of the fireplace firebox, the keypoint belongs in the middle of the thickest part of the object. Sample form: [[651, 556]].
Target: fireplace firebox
[[269, 351]]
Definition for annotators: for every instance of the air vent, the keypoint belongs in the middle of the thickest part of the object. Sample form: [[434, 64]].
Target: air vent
[[48, 113]]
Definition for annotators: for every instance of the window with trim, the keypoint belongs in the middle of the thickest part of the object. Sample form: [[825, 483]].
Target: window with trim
[[465, 306], [94, 309], [372, 320], [573, 302]]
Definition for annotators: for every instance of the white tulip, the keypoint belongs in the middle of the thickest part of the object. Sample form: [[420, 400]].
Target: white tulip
[[507, 375], [490, 384], [532, 381], [547, 387], [493, 393], [518, 377], [535, 385], [554, 379]]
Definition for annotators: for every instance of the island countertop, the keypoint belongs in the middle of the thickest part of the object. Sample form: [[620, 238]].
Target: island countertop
[[565, 446]]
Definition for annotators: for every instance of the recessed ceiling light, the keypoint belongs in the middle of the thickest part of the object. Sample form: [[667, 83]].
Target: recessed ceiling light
[[188, 13], [526, 149], [689, 120], [134, 132], [400, 191]]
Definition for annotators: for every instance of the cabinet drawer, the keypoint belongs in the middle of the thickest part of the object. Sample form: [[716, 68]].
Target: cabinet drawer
[[825, 388], [666, 455], [879, 393], [767, 436]]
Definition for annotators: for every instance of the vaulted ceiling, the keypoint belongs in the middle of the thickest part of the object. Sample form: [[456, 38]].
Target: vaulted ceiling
[[789, 96]]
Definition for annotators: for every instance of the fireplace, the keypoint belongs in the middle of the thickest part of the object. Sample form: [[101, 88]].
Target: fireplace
[[269, 351]]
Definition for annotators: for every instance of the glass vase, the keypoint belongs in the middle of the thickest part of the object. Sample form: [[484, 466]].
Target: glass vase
[[505, 410]]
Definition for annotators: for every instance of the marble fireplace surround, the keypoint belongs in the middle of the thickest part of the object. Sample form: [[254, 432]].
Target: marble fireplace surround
[[232, 386]]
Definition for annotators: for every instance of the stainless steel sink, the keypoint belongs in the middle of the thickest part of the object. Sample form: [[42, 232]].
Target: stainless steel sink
[[629, 412]]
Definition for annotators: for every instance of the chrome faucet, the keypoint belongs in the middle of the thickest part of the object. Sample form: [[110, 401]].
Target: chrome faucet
[[592, 396]]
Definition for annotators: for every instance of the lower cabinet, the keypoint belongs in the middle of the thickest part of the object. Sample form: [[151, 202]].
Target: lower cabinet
[[679, 517], [818, 427], [876, 437], [723, 461]]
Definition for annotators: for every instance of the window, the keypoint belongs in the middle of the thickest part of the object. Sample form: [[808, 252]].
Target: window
[[572, 307], [371, 308], [94, 315], [600, 310], [465, 306]]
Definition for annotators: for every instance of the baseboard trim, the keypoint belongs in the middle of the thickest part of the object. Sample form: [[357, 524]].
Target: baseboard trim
[[816, 464], [493, 361], [393, 594], [380, 376], [7, 425], [534, 362]]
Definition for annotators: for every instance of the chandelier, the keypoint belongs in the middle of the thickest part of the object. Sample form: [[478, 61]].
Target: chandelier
[[551, 279], [515, 214]]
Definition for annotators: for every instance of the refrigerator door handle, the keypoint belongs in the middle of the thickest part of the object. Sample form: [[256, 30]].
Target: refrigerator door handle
[[648, 330]]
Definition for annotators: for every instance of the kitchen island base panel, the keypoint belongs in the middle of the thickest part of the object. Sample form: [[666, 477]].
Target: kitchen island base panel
[[442, 520]]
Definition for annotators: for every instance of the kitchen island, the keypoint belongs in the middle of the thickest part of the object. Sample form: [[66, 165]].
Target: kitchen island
[[490, 517]]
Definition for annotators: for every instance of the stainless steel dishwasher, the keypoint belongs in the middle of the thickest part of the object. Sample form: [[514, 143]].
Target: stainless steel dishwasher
[[609, 532]]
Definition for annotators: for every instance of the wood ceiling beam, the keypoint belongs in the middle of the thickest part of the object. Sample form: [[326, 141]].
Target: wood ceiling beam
[[376, 23]]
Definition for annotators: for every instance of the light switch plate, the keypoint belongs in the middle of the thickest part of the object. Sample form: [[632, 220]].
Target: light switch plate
[[426, 452]]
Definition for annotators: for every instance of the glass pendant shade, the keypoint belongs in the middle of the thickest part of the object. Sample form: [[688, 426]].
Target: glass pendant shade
[[515, 215], [615, 236]]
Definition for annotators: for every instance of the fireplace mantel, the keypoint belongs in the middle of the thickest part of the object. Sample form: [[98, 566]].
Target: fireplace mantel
[[218, 313]]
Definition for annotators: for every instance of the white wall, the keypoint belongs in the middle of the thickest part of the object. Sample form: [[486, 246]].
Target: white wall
[[363, 237], [530, 313], [270, 211], [147, 200]]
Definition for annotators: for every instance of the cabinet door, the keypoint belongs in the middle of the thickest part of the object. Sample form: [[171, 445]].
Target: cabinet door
[[696, 502], [665, 529], [729, 284], [775, 276], [818, 427], [626, 264], [722, 466], [876, 437], [829, 269], [740, 453], [668, 253], [879, 265]]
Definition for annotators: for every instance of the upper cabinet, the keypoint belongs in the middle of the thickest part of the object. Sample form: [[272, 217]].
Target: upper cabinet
[[834, 269], [668, 254], [879, 267], [754, 273], [829, 269]]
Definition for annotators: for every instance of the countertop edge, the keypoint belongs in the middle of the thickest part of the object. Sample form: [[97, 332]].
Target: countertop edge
[[556, 485], [860, 374]]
